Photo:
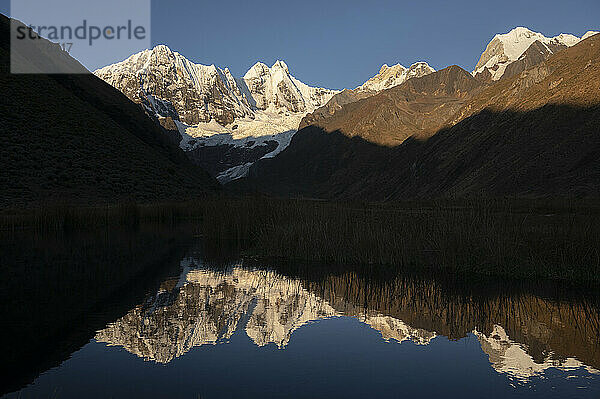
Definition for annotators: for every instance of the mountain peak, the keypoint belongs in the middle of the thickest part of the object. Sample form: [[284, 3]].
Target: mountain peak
[[390, 76], [589, 33], [275, 88], [161, 48], [517, 41], [385, 67], [507, 48], [280, 65], [519, 31], [256, 70], [419, 63]]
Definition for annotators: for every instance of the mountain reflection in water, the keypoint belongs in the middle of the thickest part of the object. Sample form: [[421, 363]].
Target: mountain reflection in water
[[206, 307], [87, 303]]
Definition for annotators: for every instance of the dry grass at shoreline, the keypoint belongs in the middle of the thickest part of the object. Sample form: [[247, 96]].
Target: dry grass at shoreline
[[518, 238]]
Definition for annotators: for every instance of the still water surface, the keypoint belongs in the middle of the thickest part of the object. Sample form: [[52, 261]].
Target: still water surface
[[153, 315]]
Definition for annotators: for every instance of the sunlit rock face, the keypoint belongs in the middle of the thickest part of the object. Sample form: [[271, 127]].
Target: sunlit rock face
[[275, 88], [199, 93], [511, 358]]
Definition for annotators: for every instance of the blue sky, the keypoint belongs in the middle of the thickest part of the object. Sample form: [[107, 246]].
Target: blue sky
[[341, 43]]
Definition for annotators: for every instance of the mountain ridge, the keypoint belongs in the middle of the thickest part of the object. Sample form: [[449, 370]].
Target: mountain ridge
[[212, 84], [388, 77], [532, 135], [415, 98]]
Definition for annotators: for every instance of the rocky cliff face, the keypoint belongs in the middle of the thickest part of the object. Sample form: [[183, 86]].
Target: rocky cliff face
[[275, 88], [163, 79], [198, 93]]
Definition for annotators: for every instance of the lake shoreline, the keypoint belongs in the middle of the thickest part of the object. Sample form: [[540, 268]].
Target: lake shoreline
[[516, 238]]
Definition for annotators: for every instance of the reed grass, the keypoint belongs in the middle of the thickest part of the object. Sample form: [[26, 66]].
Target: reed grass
[[554, 239]]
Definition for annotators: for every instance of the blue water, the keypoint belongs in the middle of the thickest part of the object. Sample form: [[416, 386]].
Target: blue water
[[338, 357], [252, 332]]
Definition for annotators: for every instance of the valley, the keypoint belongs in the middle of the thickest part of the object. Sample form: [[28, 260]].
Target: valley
[[418, 215]]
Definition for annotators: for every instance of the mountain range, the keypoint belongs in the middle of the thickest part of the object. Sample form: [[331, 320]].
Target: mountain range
[[226, 123], [523, 123], [355, 142], [452, 134]]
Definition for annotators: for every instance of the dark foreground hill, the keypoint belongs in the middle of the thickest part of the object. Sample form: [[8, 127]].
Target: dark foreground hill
[[74, 138], [533, 135]]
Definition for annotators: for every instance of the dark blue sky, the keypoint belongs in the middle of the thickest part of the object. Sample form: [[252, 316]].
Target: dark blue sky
[[341, 43]]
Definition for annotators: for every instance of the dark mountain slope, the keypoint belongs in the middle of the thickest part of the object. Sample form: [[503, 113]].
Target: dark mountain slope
[[536, 134], [75, 138]]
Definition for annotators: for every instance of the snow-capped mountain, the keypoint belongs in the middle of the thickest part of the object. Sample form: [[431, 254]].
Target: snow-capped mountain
[[275, 88], [201, 93], [225, 124], [504, 49], [198, 93], [255, 115], [395, 75], [588, 34]]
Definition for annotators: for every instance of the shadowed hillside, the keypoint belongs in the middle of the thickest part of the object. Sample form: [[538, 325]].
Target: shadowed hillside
[[74, 138], [551, 151]]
